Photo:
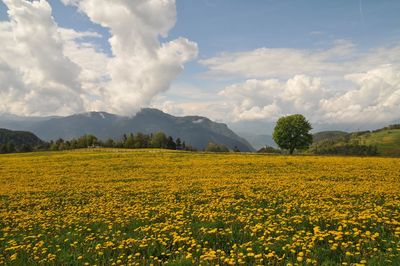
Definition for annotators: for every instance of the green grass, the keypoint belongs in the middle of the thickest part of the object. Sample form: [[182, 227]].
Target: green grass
[[387, 141]]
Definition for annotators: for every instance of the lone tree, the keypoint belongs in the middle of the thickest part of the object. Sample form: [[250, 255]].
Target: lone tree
[[292, 132]]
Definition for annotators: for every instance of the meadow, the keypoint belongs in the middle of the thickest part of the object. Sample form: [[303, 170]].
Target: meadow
[[153, 207]]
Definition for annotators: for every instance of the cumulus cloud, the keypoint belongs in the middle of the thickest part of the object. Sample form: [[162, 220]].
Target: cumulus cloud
[[34, 70], [93, 62], [369, 98], [340, 84], [373, 97], [141, 66], [45, 69], [271, 98]]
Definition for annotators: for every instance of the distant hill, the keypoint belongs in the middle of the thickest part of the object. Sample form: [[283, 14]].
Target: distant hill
[[194, 130], [387, 139], [20, 140], [330, 135]]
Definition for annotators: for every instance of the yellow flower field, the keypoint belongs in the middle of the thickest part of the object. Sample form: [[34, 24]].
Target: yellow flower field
[[143, 207]]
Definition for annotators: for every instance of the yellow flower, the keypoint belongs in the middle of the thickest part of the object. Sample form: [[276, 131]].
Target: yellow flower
[[13, 256]]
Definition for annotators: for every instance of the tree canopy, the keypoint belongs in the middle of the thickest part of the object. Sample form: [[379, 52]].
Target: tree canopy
[[292, 132], [215, 147]]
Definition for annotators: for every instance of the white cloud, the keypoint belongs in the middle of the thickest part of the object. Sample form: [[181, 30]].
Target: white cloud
[[93, 63], [141, 66], [371, 97], [269, 99], [32, 58], [340, 84], [284, 63], [279, 62], [45, 69], [374, 97], [214, 110]]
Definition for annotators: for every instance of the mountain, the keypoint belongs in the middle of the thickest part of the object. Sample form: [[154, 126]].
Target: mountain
[[20, 140], [194, 130], [101, 124], [258, 141], [20, 122]]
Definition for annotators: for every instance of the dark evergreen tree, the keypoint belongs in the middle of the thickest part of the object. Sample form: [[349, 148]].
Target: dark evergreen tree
[[171, 143]]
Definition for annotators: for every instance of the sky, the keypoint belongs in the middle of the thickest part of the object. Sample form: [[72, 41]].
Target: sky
[[234, 61]]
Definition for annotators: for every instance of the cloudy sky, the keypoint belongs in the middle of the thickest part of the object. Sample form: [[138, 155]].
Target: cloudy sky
[[231, 60]]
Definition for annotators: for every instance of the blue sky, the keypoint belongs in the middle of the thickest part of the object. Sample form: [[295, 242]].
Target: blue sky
[[237, 25], [254, 60], [240, 25]]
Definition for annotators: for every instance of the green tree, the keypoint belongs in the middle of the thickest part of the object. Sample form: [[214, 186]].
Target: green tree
[[183, 145], [214, 147], [110, 143], [130, 141], [292, 132], [178, 144], [87, 141], [26, 148], [159, 140], [171, 143], [142, 140], [60, 144], [10, 146]]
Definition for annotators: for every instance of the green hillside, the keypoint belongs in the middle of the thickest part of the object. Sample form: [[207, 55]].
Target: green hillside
[[384, 141], [387, 141], [11, 141], [330, 135]]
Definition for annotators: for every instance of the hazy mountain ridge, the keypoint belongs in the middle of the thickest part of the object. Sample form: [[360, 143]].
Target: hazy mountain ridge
[[259, 141], [195, 130]]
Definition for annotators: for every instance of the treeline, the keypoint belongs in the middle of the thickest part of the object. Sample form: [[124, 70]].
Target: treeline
[[10, 147], [390, 127], [130, 141], [18, 141], [269, 149], [329, 147], [7, 147], [215, 147]]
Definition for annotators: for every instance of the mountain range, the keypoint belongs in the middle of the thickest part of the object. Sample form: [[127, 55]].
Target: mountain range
[[197, 131]]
